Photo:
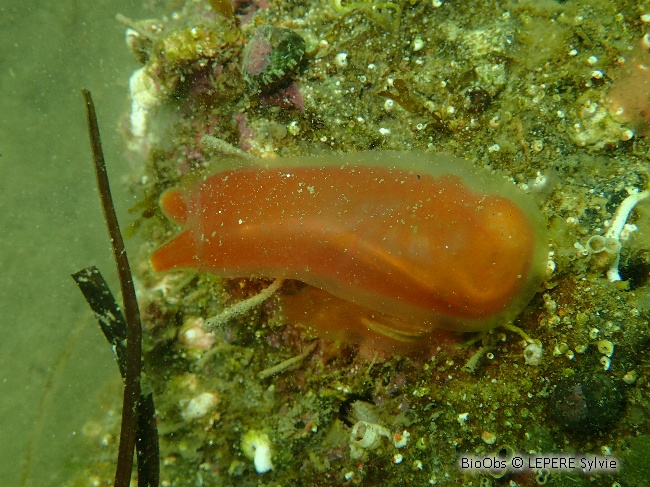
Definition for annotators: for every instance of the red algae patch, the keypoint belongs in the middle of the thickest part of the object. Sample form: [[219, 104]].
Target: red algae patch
[[399, 243]]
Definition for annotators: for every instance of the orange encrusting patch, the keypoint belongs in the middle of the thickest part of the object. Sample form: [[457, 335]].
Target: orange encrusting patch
[[337, 319], [422, 248]]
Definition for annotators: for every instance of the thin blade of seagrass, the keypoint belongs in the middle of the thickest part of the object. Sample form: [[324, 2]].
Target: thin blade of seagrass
[[111, 320], [134, 327]]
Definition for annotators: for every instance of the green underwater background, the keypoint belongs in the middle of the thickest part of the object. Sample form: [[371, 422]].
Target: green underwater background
[[552, 94]]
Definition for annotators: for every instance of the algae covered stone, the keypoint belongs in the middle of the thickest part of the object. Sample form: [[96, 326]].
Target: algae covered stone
[[272, 57]]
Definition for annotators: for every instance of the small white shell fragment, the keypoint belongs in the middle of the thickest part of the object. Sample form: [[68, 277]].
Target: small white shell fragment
[[489, 438], [581, 348], [294, 127], [550, 267], [606, 362], [256, 446], [462, 418], [401, 439], [200, 405], [145, 96], [560, 349], [628, 229], [197, 338], [131, 37], [368, 435], [533, 354], [398, 458], [606, 348], [341, 60], [630, 377], [193, 337], [418, 44], [627, 134]]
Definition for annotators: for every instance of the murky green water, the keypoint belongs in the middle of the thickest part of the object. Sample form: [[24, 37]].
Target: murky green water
[[53, 360]]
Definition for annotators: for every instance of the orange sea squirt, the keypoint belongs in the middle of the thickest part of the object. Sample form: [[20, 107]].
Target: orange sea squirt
[[395, 243]]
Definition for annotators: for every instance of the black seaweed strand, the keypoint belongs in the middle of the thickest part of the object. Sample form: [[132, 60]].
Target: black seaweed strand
[[111, 320], [134, 328]]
